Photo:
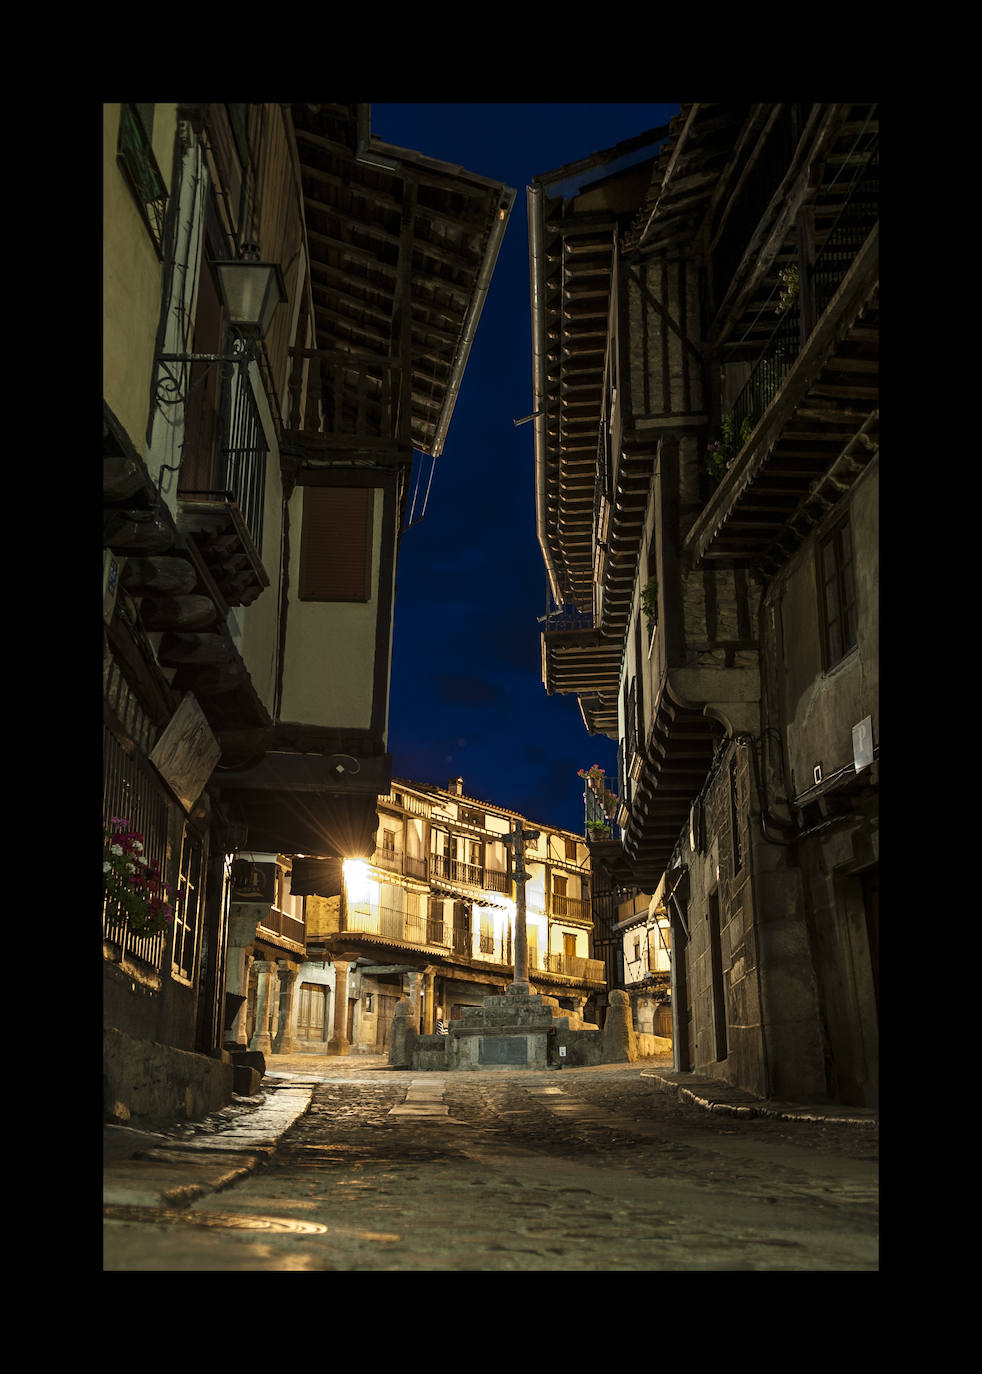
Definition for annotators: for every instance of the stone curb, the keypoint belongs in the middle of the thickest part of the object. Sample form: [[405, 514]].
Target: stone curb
[[724, 1099], [154, 1170]]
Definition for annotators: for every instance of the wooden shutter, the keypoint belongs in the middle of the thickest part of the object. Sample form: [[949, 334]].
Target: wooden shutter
[[336, 544]]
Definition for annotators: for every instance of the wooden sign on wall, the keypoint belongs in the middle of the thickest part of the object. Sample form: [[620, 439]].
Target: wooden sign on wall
[[186, 753]]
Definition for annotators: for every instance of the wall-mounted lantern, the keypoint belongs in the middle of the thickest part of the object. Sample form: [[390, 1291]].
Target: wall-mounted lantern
[[250, 291]]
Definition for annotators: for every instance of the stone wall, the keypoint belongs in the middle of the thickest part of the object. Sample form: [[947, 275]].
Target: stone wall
[[148, 1085]]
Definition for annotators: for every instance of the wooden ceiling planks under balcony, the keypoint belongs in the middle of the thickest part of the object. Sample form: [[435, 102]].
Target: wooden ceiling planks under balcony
[[387, 228], [676, 760], [816, 437], [839, 161]]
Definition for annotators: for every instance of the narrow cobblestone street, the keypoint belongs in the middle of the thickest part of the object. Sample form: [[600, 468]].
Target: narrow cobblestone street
[[581, 1169]]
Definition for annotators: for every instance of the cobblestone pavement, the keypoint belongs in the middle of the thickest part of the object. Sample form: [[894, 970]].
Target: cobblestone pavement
[[578, 1169]]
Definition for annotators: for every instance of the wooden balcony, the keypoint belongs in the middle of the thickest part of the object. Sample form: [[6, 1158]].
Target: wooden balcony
[[285, 927], [456, 870], [577, 908], [574, 966], [347, 405], [396, 861]]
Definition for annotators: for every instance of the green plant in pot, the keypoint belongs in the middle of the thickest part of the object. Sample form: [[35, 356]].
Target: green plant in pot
[[789, 288]]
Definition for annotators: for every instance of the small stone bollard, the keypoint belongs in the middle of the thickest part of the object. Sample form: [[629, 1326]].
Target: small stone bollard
[[620, 1042], [402, 1035]]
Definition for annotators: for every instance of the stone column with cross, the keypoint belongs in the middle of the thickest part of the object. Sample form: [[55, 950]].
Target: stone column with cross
[[518, 839]]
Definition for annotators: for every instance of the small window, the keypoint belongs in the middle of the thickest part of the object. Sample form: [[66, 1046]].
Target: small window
[[336, 544], [134, 155], [187, 905], [837, 587], [570, 849]]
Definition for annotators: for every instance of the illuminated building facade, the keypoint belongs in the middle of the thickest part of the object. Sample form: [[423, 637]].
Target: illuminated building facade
[[430, 914]]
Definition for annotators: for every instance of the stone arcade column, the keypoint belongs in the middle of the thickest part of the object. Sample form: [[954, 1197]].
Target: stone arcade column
[[265, 989], [429, 1015], [238, 966], [339, 1042], [283, 1043]]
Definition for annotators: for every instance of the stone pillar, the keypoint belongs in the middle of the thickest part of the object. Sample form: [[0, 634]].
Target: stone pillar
[[620, 1041], [402, 1035], [238, 966], [261, 1039], [283, 1043], [413, 981], [429, 1017], [339, 1042]]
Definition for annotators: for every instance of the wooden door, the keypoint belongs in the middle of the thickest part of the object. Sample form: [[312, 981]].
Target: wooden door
[[312, 1012], [386, 1011]]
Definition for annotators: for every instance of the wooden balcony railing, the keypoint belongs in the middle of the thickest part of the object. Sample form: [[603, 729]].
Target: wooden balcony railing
[[391, 923], [859, 213], [280, 923], [577, 907], [441, 866], [574, 966], [350, 400], [396, 861]]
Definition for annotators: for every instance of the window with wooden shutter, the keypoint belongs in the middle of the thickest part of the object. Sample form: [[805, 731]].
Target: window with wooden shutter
[[336, 544], [838, 594]]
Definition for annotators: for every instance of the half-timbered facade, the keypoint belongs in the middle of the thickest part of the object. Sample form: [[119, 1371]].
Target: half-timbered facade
[[705, 335], [255, 491]]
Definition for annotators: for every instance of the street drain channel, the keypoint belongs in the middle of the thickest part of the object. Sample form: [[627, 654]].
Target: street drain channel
[[227, 1221]]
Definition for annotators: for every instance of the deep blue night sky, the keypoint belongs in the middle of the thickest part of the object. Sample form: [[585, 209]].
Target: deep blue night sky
[[467, 696]]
